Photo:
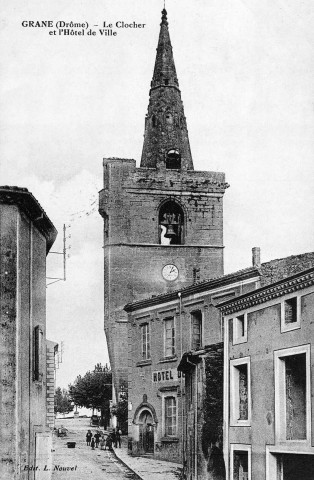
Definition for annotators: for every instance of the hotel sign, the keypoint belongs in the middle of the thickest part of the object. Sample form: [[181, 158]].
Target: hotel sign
[[170, 375]]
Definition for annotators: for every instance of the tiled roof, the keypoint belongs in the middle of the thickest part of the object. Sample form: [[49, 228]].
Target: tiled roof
[[269, 273], [288, 285], [204, 285]]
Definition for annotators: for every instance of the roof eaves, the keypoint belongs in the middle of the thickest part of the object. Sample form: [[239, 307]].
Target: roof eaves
[[27, 203], [194, 288], [261, 295]]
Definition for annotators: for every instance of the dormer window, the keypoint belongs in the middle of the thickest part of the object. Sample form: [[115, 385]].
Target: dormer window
[[173, 160]]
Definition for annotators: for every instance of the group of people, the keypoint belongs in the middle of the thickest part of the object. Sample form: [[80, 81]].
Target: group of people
[[99, 439]]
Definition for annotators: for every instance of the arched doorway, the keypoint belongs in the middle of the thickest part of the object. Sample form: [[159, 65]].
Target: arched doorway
[[146, 431]]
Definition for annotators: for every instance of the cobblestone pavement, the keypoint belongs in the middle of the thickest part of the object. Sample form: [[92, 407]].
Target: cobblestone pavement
[[86, 463]]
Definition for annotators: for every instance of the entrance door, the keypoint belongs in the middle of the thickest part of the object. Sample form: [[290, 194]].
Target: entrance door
[[147, 432]]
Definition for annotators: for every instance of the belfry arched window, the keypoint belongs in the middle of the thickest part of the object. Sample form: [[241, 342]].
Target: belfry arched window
[[173, 159], [171, 223]]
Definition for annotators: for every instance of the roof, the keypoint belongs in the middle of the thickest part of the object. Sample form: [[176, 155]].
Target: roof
[[28, 204], [268, 272], [278, 289], [198, 287], [165, 123], [280, 268]]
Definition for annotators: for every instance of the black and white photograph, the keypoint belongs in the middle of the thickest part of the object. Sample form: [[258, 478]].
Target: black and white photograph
[[157, 240]]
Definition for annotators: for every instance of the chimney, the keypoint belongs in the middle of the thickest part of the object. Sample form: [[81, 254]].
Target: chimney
[[256, 257]]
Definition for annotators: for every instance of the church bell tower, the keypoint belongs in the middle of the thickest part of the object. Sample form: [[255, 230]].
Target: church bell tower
[[163, 221]]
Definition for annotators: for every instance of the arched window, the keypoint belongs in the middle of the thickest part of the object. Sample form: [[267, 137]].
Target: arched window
[[171, 222], [173, 160]]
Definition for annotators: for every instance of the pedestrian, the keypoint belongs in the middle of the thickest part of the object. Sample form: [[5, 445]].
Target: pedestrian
[[88, 437], [118, 438], [114, 437], [97, 437], [93, 444], [109, 442], [102, 443]]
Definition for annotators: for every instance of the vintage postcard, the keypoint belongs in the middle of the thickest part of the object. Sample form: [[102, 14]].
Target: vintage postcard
[[156, 239]]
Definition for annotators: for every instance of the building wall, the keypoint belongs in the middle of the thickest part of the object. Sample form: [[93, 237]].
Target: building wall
[[265, 340], [147, 393], [23, 305], [144, 393], [134, 257]]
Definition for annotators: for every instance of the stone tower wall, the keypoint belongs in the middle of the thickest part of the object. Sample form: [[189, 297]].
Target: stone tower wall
[[134, 257]]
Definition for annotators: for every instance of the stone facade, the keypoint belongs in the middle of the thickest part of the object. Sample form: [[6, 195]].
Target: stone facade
[[268, 399], [163, 213], [26, 235]]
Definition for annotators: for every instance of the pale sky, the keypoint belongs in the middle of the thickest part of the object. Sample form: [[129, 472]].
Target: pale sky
[[246, 73]]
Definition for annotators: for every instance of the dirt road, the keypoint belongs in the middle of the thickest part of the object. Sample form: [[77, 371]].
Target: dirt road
[[81, 462]]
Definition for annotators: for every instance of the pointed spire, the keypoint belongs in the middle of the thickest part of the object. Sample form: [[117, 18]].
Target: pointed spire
[[166, 141]]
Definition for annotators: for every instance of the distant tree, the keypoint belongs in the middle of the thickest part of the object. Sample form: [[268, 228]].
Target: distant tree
[[94, 390], [63, 403]]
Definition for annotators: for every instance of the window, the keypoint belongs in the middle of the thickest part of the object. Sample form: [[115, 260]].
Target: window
[[173, 160], [171, 222], [292, 394], [37, 352], [169, 337], [290, 314], [170, 406], [240, 464], [196, 325], [295, 379], [145, 341], [240, 329], [240, 392]]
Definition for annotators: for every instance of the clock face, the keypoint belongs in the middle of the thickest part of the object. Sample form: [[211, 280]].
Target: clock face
[[170, 272]]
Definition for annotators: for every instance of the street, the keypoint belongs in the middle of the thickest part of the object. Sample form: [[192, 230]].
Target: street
[[81, 462]]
